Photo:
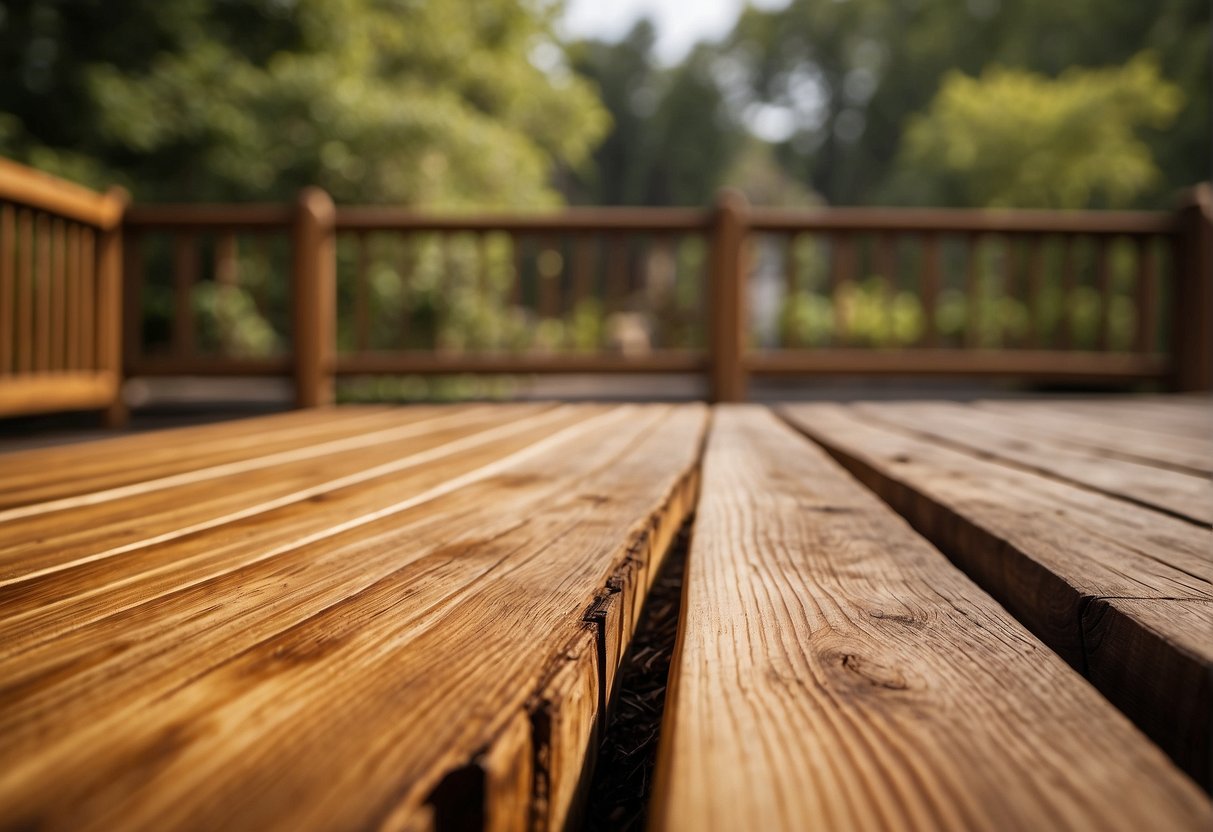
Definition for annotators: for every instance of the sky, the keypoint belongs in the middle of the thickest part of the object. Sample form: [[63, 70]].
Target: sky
[[680, 23]]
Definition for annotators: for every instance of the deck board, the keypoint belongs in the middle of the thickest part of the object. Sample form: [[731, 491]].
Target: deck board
[[1047, 549], [834, 671], [1017, 438], [1130, 439], [364, 656], [51, 473], [414, 618]]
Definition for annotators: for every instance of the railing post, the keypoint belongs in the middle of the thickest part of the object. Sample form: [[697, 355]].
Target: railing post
[[313, 293], [728, 308], [1192, 316], [109, 303]]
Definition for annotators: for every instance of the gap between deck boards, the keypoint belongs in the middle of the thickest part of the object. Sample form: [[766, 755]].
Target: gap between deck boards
[[462, 798], [459, 801]]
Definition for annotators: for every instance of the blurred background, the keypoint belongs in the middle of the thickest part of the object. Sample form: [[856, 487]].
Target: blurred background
[[526, 105]]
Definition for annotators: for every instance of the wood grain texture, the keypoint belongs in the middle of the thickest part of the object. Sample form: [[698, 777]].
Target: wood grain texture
[[1124, 438], [834, 671], [325, 663], [1016, 438], [1048, 550]]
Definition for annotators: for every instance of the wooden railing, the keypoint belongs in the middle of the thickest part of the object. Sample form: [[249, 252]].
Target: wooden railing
[[1103, 297], [60, 289], [548, 293]]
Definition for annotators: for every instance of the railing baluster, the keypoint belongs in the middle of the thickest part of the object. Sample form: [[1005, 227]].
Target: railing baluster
[[8, 246], [1069, 286], [88, 318], [42, 342], [1147, 296], [519, 256], [930, 288], [582, 269], [1036, 267], [362, 302], [24, 348], [408, 258], [482, 266], [261, 264], [616, 273], [1103, 276], [886, 263], [972, 278], [791, 290], [841, 270], [57, 288], [132, 315], [550, 268], [185, 275], [663, 291], [226, 260], [75, 308], [1010, 282]]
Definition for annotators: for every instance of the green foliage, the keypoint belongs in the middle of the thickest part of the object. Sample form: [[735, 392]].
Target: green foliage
[[673, 136], [846, 76], [463, 102], [1012, 138]]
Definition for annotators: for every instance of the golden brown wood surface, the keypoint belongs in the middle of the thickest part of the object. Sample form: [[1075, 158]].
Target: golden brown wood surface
[[834, 671], [1124, 436], [1052, 552], [413, 631], [1016, 437]]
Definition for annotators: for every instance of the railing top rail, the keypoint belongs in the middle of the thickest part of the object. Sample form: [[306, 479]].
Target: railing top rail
[[235, 216], [961, 220], [40, 191], [635, 220]]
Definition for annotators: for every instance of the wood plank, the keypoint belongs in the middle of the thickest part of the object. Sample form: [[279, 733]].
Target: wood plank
[[40, 547], [1015, 439], [40, 475], [835, 672], [1116, 438], [349, 680], [566, 729], [1044, 549], [1190, 416], [1140, 668]]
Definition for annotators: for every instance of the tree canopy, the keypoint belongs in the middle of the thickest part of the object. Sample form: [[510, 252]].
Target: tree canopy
[[1013, 138], [440, 104], [480, 103]]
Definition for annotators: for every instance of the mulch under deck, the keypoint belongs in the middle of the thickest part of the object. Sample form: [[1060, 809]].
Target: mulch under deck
[[420, 617]]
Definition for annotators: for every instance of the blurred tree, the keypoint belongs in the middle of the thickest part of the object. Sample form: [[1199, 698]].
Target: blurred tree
[[440, 104], [673, 135], [844, 75], [1013, 138]]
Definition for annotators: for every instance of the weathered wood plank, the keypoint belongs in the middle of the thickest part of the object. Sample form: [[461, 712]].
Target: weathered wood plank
[[1139, 668], [1190, 416], [1015, 439], [42, 474], [834, 671], [1046, 550], [111, 563], [361, 657], [1124, 440]]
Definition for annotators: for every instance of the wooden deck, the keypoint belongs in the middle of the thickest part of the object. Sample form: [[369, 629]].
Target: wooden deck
[[414, 618]]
